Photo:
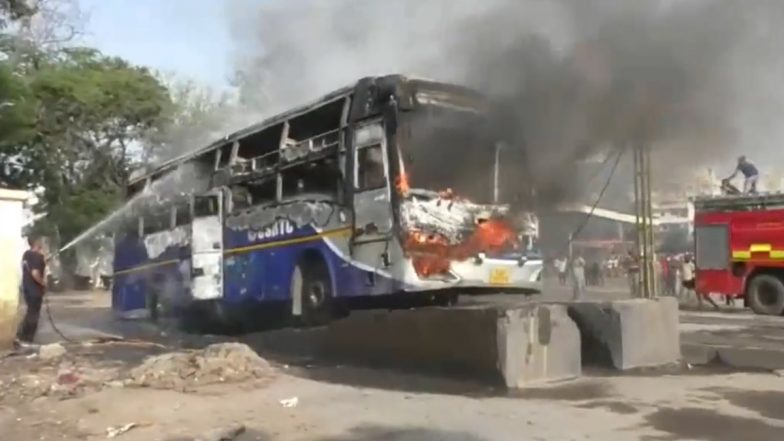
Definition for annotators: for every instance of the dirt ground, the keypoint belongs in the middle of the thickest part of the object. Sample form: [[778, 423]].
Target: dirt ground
[[83, 393]]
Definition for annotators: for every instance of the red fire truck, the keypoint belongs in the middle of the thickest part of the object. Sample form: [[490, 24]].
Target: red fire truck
[[739, 243]]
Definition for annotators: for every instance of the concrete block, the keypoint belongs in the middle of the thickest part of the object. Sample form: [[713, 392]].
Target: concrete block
[[538, 344], [751, 357], [628, 334], [514, 346]]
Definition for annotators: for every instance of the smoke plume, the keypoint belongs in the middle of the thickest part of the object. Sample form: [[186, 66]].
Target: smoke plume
[[698, 80]]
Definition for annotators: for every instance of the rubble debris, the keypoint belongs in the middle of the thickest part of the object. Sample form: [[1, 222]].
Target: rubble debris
[[51, 351], [289, 402], [217, 363], [114, 432]]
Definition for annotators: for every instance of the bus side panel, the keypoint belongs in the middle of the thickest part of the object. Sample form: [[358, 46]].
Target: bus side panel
[[265, 274], [129, 284], [136, 274], [169, 275], [128, 293]]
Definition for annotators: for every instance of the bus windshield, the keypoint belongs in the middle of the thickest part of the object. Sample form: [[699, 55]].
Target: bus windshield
[[449, 149]]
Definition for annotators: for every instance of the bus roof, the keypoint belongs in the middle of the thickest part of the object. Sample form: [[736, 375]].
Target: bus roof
[[242, 133], [279, 118]]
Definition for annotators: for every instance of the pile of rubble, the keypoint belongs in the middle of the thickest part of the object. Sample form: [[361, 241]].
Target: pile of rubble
[[51, 372], [218, 363]]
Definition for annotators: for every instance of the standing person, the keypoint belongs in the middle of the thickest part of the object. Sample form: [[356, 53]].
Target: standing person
[[672, 279], [560, 267], [665, 275], [632, 267], [598, 269], [578, 277], [687, 277], [33, 290], [689, 281], [750, 173]]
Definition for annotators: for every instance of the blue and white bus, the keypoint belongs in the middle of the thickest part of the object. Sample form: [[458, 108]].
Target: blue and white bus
[[393, 186]]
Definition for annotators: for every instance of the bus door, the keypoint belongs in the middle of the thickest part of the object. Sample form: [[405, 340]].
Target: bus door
[[372, 202], [207, 246]]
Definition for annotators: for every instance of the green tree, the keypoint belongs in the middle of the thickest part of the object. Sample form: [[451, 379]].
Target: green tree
[[93, 111], [11, 10], [17, 105]]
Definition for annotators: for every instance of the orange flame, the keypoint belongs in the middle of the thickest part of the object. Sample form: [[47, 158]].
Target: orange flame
[[432, 253], [402, 183]]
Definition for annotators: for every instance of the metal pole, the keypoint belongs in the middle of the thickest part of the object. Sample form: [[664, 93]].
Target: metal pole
[[641, 221], [637, 243], [496, 173], [650, 236], [646, 275]]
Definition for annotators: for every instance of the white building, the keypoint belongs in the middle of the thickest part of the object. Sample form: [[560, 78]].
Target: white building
[[12, 245]]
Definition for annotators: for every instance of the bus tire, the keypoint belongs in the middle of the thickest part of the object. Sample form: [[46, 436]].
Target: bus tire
[[766, 294], [312, 279]]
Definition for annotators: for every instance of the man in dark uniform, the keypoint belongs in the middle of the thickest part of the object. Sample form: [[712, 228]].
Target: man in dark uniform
[[750, 173], [33, 289]]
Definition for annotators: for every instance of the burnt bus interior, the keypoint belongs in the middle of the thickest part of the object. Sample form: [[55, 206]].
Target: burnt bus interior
[[302, 153]]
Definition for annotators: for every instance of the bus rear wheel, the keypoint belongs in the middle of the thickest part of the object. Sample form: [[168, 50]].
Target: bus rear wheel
[[766, 295], [312, 283]]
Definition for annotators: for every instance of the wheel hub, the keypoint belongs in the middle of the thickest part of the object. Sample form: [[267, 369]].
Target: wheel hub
[[316, 293]]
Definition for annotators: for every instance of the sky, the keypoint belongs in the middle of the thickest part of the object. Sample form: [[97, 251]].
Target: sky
[[188, 37]]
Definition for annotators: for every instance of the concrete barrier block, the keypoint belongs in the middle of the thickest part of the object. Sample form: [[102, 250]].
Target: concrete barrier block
[[751, 357], [627, 334], [538, 344], [514, 346]]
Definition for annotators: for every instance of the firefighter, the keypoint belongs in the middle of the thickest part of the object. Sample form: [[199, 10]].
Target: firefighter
[[750, 173], [33, 290]]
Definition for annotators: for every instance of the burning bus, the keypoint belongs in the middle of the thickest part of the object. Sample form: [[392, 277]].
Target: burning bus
[[389, 187]]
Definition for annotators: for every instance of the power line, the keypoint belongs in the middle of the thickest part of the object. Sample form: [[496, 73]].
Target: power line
[[595, 205]]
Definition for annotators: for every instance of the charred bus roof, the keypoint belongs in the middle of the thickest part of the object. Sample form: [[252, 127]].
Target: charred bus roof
[[366, 93]]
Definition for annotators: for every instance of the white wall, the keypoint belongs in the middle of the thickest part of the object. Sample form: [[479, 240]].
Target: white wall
[[12, 245]]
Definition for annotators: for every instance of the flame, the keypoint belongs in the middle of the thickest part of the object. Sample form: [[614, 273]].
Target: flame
[[432, 253], [494, 235], [402, 183]]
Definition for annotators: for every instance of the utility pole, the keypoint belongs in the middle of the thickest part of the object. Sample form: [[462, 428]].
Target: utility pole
[[643, 214]]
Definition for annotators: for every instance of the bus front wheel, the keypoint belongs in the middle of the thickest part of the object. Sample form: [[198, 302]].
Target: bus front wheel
[[766, 295]]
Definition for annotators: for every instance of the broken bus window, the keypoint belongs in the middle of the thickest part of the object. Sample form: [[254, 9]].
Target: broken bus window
[[370, 168]]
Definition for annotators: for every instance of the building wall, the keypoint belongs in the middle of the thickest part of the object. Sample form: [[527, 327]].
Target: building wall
[[12, 245]]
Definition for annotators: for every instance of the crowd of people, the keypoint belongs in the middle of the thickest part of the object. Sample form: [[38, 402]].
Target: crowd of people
[[675, 273]]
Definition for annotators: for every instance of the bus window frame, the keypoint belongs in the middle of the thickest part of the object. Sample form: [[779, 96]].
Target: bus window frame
[[374, 140], [214, 194]]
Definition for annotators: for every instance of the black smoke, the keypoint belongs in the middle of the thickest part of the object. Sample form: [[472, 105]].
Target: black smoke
[[695, 80]]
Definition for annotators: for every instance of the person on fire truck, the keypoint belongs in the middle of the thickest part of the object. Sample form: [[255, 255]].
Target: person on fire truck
[[750, 173]]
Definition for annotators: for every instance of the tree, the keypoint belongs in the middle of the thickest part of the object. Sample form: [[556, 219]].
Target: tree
[[11, 10], [92, 113], [198, 116]]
